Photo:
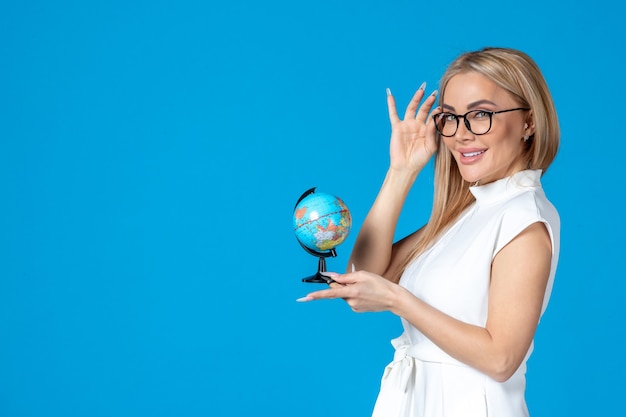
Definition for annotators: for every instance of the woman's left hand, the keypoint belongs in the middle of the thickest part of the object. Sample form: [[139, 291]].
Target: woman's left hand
[[363, 291]]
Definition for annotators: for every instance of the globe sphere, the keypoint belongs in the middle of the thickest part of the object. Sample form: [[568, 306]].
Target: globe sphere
[[321, 221]]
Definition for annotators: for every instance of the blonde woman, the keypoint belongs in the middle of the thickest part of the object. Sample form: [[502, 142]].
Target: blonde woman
[[471, 285]]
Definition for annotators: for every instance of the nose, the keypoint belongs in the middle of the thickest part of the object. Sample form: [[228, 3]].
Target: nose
[[463, 132]]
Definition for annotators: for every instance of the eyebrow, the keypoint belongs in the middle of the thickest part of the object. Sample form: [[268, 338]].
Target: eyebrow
[[473, 104]]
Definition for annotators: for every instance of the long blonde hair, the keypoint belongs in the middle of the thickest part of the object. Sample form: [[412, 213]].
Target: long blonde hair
[[517, 73]]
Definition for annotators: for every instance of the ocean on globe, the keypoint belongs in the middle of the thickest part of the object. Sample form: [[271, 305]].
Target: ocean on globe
[[321, 221]]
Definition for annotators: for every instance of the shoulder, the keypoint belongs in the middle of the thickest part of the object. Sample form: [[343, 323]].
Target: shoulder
[[531, 203], [522, 210]]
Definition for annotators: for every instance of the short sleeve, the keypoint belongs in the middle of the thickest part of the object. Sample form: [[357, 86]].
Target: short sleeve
[[518, 216]]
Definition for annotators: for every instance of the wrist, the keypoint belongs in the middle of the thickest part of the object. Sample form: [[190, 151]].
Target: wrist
[[401, 178], [397, 299]]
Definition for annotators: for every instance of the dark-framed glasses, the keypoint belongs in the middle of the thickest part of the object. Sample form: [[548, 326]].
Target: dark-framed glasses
[[477, 122]]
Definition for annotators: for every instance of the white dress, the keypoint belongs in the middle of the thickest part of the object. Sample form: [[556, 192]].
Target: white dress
[[453, 276]]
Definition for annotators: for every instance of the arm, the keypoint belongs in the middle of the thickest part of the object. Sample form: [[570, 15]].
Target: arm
[[515, 298], [411, 146], [373, 248]]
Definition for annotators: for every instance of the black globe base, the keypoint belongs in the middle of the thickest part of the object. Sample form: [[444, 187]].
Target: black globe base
[[318, 278]]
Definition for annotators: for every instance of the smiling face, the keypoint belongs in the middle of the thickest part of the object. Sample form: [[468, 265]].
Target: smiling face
[[499, 152]]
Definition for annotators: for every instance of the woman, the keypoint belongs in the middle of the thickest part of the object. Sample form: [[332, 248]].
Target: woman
[[470, 285]]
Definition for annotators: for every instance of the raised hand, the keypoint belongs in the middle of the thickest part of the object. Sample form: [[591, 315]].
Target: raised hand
[[413, 138]]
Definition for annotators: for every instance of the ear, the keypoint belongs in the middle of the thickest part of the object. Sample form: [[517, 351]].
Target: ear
[[529, 126]]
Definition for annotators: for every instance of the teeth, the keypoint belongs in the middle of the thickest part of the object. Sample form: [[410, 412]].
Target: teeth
[[472, 153]]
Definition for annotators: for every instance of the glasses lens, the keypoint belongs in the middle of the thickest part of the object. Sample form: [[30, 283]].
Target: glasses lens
[[479, 120], [446, 124]]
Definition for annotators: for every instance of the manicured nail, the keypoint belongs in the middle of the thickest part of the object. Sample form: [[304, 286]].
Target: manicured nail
[[304, 299], [435, 93], [423, 86], [388, 91], [329, 274], [353, 268]]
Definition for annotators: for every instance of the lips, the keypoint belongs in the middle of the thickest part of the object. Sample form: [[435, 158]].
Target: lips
[[468, 156]]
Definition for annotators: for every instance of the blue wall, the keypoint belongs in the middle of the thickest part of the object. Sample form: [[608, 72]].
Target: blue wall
[[151, 153]]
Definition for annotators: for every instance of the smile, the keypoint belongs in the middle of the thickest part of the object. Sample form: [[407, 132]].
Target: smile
[[470, 154]]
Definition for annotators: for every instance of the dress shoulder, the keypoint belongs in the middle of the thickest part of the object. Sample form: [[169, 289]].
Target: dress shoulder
[[521, 211]]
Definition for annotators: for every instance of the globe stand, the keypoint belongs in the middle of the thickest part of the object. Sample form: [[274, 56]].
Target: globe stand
[[318, 278]]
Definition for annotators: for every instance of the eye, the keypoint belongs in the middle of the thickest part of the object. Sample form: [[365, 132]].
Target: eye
[[448, 117], [480, 114]]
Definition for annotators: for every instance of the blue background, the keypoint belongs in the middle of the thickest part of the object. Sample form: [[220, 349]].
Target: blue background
[[151, 154]]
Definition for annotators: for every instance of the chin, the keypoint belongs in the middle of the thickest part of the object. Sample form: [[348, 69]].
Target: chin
[[470, 176]]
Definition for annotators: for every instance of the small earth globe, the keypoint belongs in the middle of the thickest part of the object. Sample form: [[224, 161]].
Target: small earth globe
[[321, 221]]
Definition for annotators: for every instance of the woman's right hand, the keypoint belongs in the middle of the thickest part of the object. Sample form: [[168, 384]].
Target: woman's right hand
[[413, 140]]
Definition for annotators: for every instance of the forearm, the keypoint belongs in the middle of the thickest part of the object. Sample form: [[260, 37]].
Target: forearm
[[473, 345], [372, 249]]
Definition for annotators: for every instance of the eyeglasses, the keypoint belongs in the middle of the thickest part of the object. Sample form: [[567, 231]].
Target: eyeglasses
[[477, 122]]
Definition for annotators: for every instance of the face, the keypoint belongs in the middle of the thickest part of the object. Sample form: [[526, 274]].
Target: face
[[498, 153]]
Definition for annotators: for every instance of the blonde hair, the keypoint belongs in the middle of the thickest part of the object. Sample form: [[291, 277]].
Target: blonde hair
[[517, 73]]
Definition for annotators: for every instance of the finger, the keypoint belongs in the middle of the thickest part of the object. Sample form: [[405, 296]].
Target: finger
[[343, 279], [431, 129], [434, 111], [391, 107], [330, 274], [430, 121], [425, 109], [411, 109], [327, 276], [324, 294]]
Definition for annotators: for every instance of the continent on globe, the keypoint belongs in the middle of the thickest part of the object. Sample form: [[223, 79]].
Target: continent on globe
[[321, 221]]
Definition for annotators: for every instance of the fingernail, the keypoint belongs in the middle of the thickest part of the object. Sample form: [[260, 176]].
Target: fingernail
[[388, 91], [435, 93], [423, 86], [304, 299], [353, 268], [329, 274]]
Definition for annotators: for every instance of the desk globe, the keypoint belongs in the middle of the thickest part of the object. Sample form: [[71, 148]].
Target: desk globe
[[321, 222]]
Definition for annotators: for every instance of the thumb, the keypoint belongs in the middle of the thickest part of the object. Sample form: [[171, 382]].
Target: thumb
[[339, 278]]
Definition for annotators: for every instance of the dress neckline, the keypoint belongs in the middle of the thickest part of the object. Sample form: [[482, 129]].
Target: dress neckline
[[506, 187]]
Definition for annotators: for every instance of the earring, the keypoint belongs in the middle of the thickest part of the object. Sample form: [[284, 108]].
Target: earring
[[526, 136]]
